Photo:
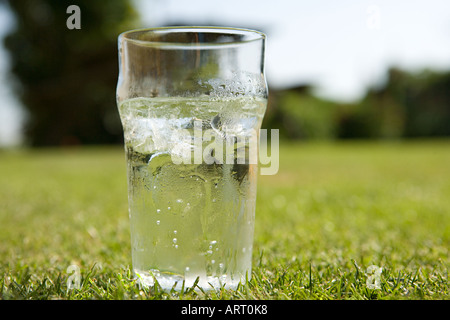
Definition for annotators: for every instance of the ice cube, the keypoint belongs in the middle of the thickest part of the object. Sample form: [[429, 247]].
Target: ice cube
[[217, 125], [233, 125]]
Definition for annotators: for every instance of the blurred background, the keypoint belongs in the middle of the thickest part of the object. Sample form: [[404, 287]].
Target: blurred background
[[348, 69]]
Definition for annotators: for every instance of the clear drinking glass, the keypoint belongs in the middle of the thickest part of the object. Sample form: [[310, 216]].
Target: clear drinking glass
[[191, 102]]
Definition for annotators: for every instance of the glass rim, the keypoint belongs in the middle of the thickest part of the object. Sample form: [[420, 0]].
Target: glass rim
[[251, 36]]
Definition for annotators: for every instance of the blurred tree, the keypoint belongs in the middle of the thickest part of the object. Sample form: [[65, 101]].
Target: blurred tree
[[410, 105], [298, 114], [67, 78], [425, 96]]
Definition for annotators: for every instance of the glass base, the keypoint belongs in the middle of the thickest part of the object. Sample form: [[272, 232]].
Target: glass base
[[169, 281]]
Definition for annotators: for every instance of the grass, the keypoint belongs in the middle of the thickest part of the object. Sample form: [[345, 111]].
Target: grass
[[332, 211]]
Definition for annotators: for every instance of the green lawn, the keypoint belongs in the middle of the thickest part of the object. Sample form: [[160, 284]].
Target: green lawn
[[332, 211]]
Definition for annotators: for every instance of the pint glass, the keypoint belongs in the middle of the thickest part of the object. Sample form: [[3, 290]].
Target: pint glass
[[191, 102]]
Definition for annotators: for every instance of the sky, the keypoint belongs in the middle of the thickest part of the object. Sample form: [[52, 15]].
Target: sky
[[11, 114], [340, 47]]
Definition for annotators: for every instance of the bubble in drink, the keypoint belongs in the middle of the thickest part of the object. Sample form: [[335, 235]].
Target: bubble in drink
[[210, 205]]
